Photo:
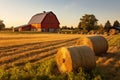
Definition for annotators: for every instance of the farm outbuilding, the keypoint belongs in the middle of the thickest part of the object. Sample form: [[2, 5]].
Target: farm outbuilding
[[114, 30], [43, 22]]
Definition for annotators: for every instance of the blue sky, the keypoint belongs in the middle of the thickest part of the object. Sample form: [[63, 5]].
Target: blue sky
[[19, 12]]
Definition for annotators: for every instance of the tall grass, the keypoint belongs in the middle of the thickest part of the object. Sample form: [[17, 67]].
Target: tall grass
[[46, 71]]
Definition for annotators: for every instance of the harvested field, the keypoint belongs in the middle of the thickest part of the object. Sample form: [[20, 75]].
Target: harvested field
[[109, 64], [21, 39], [23, 48], [19, 49]]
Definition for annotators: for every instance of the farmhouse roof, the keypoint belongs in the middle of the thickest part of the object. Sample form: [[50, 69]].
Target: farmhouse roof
[[116, 27], [38, 18]]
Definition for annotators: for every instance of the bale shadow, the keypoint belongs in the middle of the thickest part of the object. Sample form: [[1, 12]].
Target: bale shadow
[[109, 65]]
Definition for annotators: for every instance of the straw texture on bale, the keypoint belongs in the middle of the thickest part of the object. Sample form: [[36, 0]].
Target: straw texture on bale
[[71, 58], [97, 43]]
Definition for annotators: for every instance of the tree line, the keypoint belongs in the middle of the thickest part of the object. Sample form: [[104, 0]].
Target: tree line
[[89, 23], [108, 25]]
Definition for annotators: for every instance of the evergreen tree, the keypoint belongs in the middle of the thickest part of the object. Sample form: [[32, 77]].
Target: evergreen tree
[[107, 26], [116, 24]]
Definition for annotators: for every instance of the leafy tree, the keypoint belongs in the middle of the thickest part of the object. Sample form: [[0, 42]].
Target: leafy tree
[[100, 28], [116, 24], [88, 22], [80, 26], [107, 26], [71, 28], [64, 27], [2, 25]]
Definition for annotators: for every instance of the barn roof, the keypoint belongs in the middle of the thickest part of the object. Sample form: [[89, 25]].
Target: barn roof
[[38, 18], [22, 26]]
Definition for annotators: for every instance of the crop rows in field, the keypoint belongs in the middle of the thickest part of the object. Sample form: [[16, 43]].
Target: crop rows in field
[[33, 52]]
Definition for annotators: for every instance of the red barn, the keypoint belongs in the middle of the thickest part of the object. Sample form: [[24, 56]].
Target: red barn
[[43, 22]]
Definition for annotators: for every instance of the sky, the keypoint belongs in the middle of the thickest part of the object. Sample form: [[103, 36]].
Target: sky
[[19, 12]]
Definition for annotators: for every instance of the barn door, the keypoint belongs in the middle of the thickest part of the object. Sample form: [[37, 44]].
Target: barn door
[[51, 30]]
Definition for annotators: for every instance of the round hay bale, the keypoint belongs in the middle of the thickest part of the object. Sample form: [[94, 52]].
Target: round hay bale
[[97, 43], [71, 58], [112, 31]]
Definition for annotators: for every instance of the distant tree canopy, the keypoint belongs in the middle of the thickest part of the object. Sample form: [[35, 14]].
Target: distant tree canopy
[[107, 26], [100, 28], [64, 27], [116, 24], [88, 22], [67, 28], [2, 25]]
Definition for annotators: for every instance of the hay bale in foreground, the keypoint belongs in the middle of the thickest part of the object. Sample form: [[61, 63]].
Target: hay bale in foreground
[[97, 43], [72, 58]]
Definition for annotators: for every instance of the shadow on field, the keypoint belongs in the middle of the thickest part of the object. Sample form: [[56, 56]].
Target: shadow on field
[[109, 64]]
